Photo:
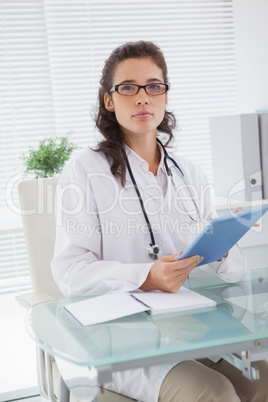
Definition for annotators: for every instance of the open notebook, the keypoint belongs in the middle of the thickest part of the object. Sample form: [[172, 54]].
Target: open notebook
[[109, 307]]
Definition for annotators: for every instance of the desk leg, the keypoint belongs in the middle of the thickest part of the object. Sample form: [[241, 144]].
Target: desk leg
[[64, 393], [81, 381], [243, 363]]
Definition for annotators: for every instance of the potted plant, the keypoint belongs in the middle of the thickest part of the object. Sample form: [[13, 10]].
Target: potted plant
[[42, 167], [49, 158]]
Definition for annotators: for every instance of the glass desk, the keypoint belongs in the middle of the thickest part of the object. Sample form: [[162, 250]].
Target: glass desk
[[238, 325]]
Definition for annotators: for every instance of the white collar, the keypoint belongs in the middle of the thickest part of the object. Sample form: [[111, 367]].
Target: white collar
[[136, 160]]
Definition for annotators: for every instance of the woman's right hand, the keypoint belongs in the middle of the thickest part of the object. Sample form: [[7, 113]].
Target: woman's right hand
[[169, 275]]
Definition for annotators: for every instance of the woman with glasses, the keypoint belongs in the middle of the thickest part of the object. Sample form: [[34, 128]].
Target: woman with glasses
[[127, 209]]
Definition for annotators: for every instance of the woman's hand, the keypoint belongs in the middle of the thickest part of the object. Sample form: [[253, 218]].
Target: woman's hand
[[238, 209], [168, 275]]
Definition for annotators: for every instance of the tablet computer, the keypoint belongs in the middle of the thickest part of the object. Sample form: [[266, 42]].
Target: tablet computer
[[222, 233]]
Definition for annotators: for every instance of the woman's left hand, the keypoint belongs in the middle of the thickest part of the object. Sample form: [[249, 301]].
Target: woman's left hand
[[238, 209]]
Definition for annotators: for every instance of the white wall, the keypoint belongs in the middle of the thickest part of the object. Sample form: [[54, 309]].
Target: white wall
[[251, 35]]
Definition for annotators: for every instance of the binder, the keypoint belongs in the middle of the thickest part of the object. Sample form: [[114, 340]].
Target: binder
[[236, 156], [263, 131]]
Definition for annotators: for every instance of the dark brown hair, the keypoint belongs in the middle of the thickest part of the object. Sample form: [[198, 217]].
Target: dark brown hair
[[113, 143]]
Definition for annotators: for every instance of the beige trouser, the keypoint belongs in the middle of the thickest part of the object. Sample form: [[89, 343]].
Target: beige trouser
[[191, 381]]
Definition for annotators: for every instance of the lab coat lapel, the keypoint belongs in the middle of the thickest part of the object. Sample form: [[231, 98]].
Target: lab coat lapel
[[182, 192]]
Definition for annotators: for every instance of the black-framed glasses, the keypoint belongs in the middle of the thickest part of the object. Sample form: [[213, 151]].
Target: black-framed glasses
[[154, 89]]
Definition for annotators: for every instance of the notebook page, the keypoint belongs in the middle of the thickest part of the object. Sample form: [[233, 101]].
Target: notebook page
[[104, 308], [184, 299]]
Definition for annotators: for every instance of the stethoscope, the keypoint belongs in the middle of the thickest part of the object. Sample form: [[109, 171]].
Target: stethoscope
[[154, 251]]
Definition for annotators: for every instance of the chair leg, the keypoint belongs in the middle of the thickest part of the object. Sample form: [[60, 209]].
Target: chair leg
[[45, 378], [41, 372], [49, 378]]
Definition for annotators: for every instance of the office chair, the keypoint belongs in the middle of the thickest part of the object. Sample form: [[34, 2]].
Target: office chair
[[37, 206]]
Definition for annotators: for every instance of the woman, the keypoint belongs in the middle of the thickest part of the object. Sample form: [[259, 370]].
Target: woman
[[123, 205]]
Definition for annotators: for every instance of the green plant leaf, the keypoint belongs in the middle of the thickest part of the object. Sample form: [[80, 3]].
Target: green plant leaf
[[49, 158]]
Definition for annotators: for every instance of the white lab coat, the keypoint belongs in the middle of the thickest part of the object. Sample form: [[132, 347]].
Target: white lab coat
[[102, 236]]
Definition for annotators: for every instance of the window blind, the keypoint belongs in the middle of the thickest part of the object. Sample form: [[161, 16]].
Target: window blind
[[14, 271], [197, 38], [52, 54], [25, 87]]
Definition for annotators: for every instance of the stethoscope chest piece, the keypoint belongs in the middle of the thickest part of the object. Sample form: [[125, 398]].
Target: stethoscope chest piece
[[154, 251]]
